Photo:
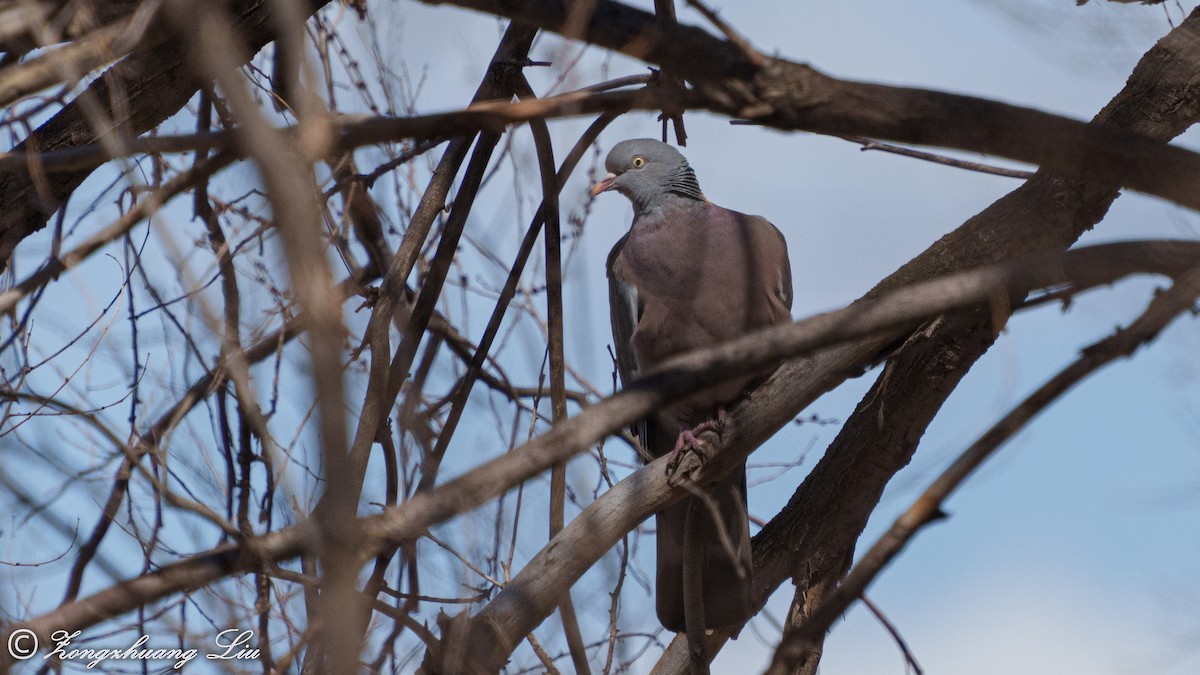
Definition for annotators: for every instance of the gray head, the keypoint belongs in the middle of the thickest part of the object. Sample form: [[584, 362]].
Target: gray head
[[648, 172]]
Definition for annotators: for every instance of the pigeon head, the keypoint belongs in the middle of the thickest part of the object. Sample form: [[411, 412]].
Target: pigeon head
[[649, 173]]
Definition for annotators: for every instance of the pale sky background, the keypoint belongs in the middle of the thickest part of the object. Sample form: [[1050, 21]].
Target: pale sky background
[[1074, 551]]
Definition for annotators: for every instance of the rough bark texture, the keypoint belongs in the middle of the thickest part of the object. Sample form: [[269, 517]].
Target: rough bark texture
[[1046, 213], [794, 96], [825, 516], [129, 99]]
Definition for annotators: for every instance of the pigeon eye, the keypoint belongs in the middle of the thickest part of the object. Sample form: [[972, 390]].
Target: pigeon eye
[[638, 162]]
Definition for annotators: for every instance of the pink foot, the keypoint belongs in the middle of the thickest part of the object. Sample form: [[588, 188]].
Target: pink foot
[[687, 436]]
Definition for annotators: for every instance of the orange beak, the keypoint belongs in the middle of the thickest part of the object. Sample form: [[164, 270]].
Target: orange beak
[[604, 185]]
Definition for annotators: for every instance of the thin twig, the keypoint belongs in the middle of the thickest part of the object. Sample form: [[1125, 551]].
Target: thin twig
[[549, 213], [870, 144], [475, 368], [909, 658], [145, 208]]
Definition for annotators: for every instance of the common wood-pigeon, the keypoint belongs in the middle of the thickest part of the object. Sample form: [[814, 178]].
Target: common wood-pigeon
[[689, 275]]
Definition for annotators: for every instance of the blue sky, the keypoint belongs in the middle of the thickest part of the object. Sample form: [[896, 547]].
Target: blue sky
[[1074, 550]]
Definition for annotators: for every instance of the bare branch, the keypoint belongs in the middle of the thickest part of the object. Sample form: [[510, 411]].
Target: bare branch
[[151, 86], [69, 63], [534, 592], [793, 96], [927, 508]]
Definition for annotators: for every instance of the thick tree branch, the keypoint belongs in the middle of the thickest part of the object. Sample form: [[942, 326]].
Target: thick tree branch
[[71, 62], [798, 642], [520, 606], [529, 597], [150, 86], [793, 96], [812, 539], [777, 93]]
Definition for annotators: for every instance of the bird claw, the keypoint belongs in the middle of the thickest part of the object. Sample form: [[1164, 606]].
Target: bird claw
[[687, 440]]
